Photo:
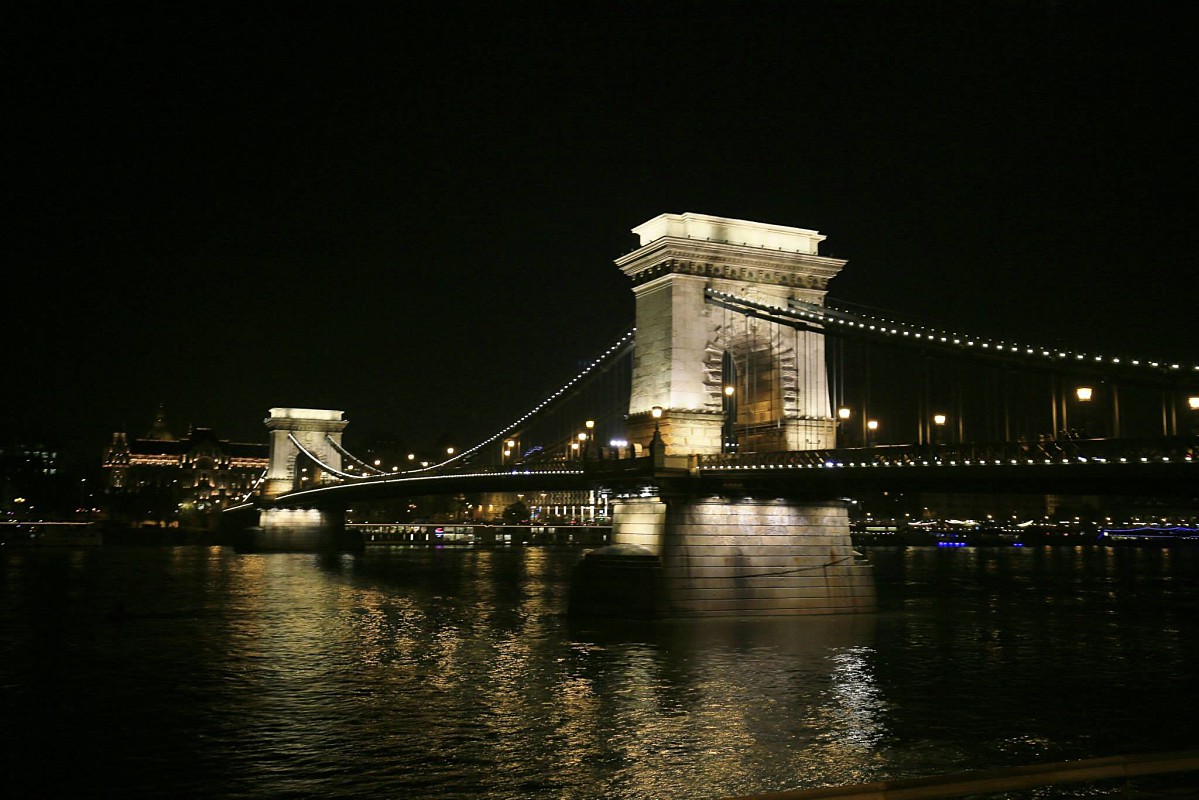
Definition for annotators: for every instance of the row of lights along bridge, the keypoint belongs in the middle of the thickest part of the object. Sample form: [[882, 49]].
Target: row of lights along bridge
[[579, 448], [584, 445], [412, 462], [1084, 395]]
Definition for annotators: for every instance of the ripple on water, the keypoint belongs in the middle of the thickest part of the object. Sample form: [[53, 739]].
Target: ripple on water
[[456, 674]]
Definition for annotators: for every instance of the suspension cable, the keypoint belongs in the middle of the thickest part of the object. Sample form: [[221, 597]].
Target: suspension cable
[[347, 454], [833, 322], [291, 437], [617, 349]]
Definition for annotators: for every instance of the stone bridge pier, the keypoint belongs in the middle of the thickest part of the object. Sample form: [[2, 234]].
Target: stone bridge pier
[[679, 556]]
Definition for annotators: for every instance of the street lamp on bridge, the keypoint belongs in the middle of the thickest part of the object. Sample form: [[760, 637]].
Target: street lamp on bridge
[[728, 433], [843, 415], [1084, 395], [657, 447]]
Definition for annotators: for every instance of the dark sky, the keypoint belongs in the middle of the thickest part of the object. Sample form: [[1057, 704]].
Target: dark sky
[[413, 217]]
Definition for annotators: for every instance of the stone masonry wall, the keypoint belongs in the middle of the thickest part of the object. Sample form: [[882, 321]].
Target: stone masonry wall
[[724, 557]]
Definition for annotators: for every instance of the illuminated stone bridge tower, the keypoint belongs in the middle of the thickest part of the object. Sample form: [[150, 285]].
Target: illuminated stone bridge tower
[[725, 381], [300, 529], [311, 427]]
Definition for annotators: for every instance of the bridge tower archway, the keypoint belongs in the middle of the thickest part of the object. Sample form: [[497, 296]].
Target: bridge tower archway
[[684, 343], [317, 430]]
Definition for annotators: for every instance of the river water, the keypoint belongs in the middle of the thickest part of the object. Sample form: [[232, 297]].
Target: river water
[[454, 673]]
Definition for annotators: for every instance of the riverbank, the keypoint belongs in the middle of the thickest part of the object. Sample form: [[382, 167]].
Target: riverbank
[[42, 534]]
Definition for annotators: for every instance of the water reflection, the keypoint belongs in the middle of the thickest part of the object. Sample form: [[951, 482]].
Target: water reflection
[[454, 673], [856, 721], [492, 680]]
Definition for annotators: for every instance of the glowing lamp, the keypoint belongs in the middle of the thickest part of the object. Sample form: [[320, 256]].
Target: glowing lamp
[[1193, 402], [656, 412], [1083, 393], [872, 425], [939, 419], [843, 413]]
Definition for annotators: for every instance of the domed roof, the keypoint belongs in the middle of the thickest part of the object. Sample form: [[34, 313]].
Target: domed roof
[[159, 431]]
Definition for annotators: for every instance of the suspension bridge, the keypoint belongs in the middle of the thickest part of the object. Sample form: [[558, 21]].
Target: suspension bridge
[[724, 430]]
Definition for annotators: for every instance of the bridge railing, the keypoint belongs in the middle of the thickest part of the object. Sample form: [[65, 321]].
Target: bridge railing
[[545, 468], [1175, 448]]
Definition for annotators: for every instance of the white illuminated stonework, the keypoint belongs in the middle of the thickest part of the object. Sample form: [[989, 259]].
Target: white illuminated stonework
[[314, 428], [781, 384], [743, 557]]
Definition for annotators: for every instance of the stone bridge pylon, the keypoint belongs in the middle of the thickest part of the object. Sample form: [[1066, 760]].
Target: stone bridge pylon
[[726, 382], [299, 529], [313, 428], [711, 380]]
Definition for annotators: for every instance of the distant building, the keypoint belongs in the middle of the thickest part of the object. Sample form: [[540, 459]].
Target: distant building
[[570, 506], [32, 483], [159, 479]]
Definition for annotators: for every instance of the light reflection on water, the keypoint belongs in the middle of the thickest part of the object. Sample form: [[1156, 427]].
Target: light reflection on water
[[454, 673]]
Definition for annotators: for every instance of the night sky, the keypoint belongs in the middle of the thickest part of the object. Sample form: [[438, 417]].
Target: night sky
[[413, 216]]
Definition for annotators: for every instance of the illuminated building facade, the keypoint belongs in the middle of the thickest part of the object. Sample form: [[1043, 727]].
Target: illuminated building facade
[[562, 506], [162, 480]]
